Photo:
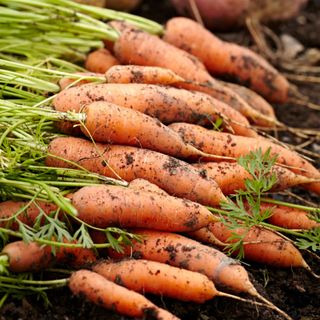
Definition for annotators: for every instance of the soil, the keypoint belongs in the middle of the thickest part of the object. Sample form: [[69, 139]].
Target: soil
[[295, 291]]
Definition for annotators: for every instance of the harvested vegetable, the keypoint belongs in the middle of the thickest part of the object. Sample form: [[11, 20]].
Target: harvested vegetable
[[109, 123], [172, 175], [165, 103], [27, 257], [104, 206], [231, 176], [228, 59], [100, 61], [220, 143], [109, 295]]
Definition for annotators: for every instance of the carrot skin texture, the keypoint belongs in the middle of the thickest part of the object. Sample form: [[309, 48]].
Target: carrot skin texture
[[174, 176], [137, 47], [223, 58], [158, 278], [100, 61], [104, 206], [254, 100], [109, 123], [109, 295], [272, 249], [230, 176], [142, 74], [164, 103], [145, 185], [28, 216], [290, 218], [27, 257], [224, 144], [179, 251]]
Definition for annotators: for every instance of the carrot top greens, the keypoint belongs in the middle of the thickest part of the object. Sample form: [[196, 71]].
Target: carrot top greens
[[242, 210]]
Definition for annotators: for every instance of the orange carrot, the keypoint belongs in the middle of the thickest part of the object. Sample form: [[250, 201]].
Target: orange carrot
[[137, 47], [174, 176], [259, 245], [254, 100], [158, 278], [290, 218], [104, 206], [165, 103], [228, 59], [109, 295], [224, 144], [100, 61], [145, 185], [27, 257], [27, 216], [69, 81], [142, 74], [109, 123], [185, 253], [230, 176]]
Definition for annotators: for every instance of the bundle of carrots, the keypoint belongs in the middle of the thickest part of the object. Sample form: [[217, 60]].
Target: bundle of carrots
[[175, 140]]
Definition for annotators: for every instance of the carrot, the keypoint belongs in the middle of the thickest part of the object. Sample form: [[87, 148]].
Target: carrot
[[254, 100], [109, 295], [142, 74], [174, 176], [165, 103], [259, 245], [69, 81], [224, 144], [137, 47], [230, 176], [100, 61], [27, 257], [109, 123], [179, 251], [103, 206], [228, 59], [27, 216], [290, 218], [158, 278], [145, 185]]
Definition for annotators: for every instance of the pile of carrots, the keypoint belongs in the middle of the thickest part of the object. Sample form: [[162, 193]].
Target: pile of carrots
[[151, 124]]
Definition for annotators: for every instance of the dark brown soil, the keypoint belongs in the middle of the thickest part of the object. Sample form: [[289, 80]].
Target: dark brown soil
[[294, 290]]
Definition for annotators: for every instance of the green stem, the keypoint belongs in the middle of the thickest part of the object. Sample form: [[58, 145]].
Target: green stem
[[262, 223], [53, 283], [54, 243], [288, 204]]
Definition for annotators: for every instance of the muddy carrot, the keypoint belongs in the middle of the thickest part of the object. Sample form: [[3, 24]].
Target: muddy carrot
[[108, 123], [220, 143], [109, 295], [230, 176], [164, 103], [145, 185], [142, 74], [179, 251], [290, 218], [100, 61], [137, 47], [158, 278], [227, 59], [104, 206], [174, 176], [254, 100], [259, 245], [27, 257], [10, 208]]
